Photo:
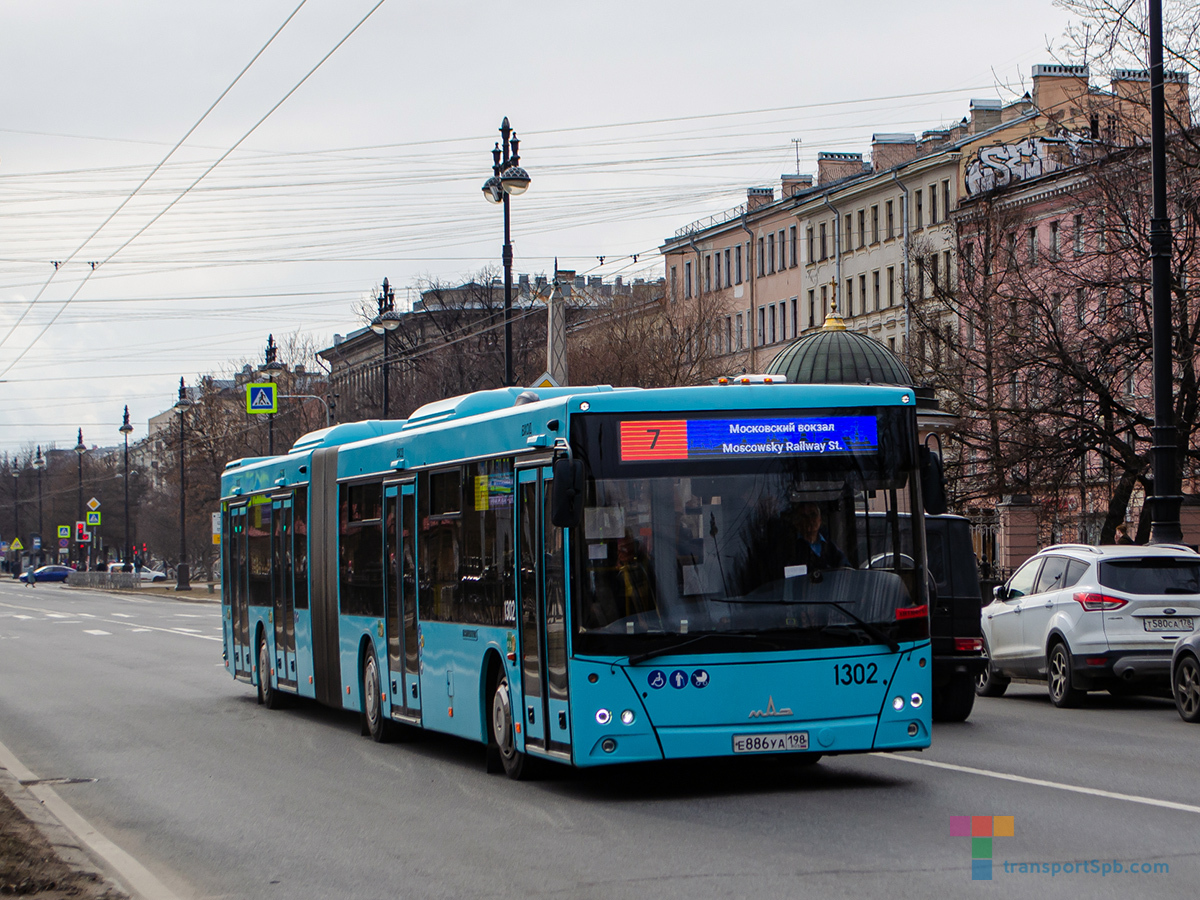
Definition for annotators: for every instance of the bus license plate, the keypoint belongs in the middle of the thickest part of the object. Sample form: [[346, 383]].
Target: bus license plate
[[770, 743], [1175, 623]]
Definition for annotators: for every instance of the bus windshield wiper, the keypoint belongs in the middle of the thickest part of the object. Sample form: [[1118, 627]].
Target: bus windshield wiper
[[663, 651], [873, 630]]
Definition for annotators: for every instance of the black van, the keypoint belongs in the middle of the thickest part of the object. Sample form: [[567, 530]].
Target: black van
[[955, 633]]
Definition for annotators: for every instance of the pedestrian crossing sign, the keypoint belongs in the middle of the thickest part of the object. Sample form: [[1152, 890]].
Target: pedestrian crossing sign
[[262, 398], [64, 531]]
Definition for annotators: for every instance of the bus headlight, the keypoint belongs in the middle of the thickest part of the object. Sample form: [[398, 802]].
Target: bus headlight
[[916, 700], [603, 717], [898, 704], [627, 717]]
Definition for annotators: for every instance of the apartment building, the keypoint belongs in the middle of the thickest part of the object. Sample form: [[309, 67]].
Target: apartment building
[[874, 236]]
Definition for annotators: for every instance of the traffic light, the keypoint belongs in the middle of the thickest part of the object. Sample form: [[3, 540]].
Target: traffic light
[[82, 535]]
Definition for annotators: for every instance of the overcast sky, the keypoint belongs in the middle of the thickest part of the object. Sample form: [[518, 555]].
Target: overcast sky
[[635, 118]]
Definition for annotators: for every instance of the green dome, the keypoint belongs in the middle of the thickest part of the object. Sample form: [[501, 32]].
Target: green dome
[[837, 356]]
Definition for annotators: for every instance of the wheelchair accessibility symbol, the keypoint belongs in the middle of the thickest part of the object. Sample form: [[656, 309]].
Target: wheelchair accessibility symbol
[[657, 679]]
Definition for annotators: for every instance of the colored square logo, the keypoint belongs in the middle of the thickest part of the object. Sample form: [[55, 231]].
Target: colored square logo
[[981, 826], [960, 826], [981, 848], [982, 830], [1004, 826], [981, 870]]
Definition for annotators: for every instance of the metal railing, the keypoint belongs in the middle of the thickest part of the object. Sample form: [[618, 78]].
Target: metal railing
[[120, 580]]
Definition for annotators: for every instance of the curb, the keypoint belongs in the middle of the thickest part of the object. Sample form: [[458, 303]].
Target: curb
[[214, 598], [61, 840]]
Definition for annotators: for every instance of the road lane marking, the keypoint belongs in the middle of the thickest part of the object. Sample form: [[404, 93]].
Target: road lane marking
[[182, 633], [136, 876], [15, 616], [51, 615], [95, 631], [139, 630], [1039, 782], [123, 615]]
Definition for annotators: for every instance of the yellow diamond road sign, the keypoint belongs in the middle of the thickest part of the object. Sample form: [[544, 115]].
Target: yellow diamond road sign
[[93, 504]]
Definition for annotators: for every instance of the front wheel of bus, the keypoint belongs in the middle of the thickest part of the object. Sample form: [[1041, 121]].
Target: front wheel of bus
[[516, 764]]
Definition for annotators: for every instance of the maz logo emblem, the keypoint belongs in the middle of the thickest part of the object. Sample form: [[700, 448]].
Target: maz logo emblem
[[770, 711]]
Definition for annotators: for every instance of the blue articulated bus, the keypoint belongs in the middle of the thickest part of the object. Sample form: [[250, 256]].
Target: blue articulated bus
[[595, 575]]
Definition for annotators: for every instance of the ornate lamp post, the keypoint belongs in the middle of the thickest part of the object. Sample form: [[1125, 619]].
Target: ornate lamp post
[[39, 463], [126, 429], [508, 178], [385, 321], [182, 580], [80, 449], [271, 365]]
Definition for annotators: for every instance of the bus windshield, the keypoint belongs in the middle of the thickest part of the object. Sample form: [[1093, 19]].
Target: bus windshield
[[751, 550]]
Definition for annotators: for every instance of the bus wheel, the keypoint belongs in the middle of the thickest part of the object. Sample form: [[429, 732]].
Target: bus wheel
[[516, 764], [267, 695], [372, 709]]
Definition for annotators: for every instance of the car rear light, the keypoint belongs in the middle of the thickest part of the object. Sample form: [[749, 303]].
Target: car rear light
[[1096, 660], [912, 612], [1098, 602], [968, 645]]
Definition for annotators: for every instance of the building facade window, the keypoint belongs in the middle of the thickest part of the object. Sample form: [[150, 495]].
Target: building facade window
[[1033, 246], [891, 285], [875, 288], [849, 290], [795, 331], [875, 224], [792, 245], [891, 219], [728, 278], [707, 273], [824, 302], [862, 228], [946, 198], [1077, 235], [687, 280], [848, 237], [812, 308], [948, 284], [933, 205], [674, 283], [808, 238], [771, 253], [782, 255], [920, 208], [1054, 240], [762, 325], [762, 257], [737, 262], [729, 334], [862, 291], [717, 269], [771, 324], [824, 244]]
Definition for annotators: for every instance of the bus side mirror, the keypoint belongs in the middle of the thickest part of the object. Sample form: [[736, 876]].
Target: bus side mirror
[[566, 501], [933, 482]]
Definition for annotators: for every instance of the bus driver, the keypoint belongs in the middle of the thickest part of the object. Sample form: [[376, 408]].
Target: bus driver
[[812, 548]]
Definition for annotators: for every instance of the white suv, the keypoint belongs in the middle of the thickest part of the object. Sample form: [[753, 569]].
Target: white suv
[[1087, 618]]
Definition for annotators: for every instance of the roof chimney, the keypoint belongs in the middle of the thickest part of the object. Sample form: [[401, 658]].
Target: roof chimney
[[756, 198], [836, 166], [985, 114], [889, 150], [794, 184], [1060, 91]]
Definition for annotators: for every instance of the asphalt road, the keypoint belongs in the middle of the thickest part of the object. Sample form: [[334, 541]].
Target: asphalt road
[[220, 797]]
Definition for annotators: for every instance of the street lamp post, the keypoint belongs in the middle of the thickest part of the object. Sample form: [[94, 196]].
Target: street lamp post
[[385, 322], [39, 463], [16, 473], [507, 178], [271, 366], [126, 429], [80, 449], [182, 581]]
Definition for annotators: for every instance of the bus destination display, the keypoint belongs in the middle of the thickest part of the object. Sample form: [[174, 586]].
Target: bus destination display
[[686, 439]]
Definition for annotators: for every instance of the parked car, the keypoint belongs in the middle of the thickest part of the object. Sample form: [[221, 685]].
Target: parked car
[[955, 639], [148, 574], [1083, 618], [1185, 677], [48, 573]]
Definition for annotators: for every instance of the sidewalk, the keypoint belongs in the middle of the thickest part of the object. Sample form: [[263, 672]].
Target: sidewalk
[[198, 594]]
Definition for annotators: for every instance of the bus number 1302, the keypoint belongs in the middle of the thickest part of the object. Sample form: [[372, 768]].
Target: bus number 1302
[[854, 674]]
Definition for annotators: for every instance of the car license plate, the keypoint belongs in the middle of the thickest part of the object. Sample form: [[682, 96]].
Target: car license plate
[[1173, 623], [781, 742]]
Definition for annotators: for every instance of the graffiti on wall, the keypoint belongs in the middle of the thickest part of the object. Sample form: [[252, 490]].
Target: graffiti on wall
[[998, 167]]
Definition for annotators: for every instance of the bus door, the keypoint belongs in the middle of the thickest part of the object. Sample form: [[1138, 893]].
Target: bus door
[[239, 590], [541, 599], [399, 537], [283, 589]]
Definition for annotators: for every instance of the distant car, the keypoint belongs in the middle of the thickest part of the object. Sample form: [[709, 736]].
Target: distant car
[[148, 574], [48, 573], [1083, 618], [1185, 677]]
